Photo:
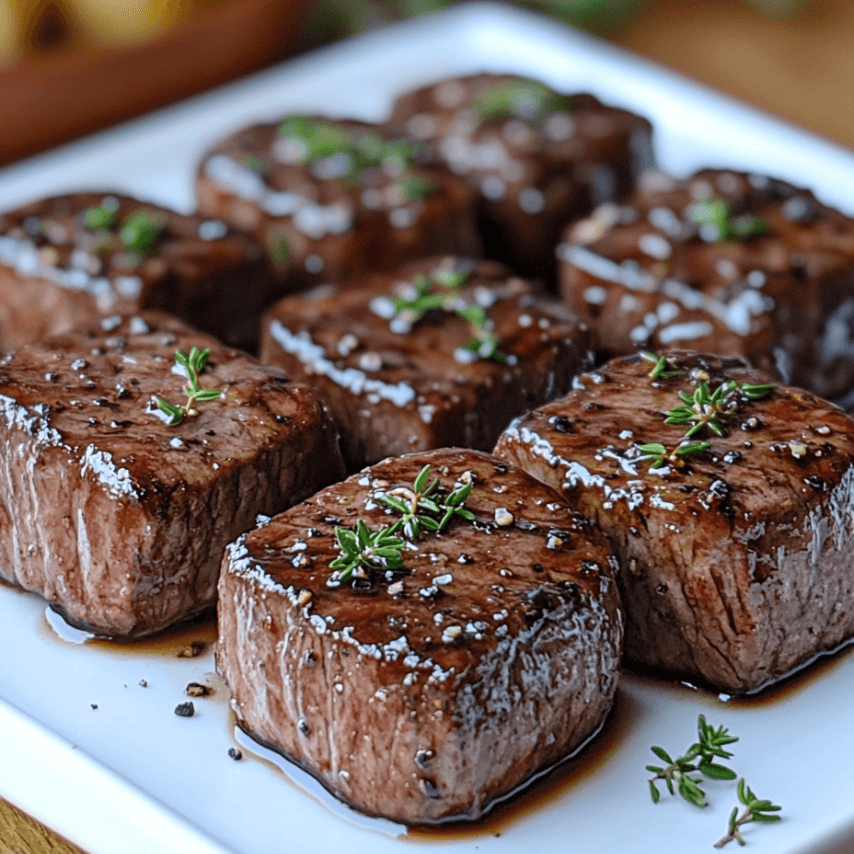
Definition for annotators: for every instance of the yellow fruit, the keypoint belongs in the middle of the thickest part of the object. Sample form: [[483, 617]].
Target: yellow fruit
[[11, 35], [121, 22]]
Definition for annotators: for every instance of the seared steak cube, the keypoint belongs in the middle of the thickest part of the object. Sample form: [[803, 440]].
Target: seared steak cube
[[721, 262], [537, 158], [444, 351], [330, 199], [116, 518], [423, 688], [68, 259], [735, 540]]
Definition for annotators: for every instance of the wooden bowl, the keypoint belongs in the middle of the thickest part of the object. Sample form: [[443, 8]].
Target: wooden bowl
[[72, 91]]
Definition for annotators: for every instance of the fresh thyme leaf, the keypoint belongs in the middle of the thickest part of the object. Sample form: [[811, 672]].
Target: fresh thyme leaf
[[452, 278], [742, 227], [175, 413], [363, 551], [415, 187], [193, 363], [100, 217], [705, 409], [141, 231], [755, 810], [362, 149], [717, 223], [473, 313], [658, 455], [521, 99], [255, 163], [677, 774], [420, 481], [280, 252], [319, 138], [663, 369], [410, 310]]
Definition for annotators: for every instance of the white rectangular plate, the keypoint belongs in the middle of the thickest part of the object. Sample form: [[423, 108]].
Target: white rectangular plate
[[131, 776]]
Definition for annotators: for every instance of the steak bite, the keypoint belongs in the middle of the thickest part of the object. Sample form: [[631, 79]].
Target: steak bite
[[330, 199], [536, 158], [729, 502], [443, 352], [116, 518], [424, 678], [721, 262], [68, 259]]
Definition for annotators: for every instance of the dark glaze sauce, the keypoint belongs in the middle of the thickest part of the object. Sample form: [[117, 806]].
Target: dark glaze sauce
[[190, 639], [551, 785], [778, 691]]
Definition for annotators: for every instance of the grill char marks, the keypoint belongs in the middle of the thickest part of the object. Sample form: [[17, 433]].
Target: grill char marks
[[119, 520], [331, 199], [736, 568], [394, 387], [58, 269], [426, 695], [655, 273], [536, 158]]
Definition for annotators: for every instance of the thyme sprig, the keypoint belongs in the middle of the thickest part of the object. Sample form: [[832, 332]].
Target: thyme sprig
[[529, 100], [658, 455], [319, 139], [139, 233], [700, 756], [663, 369], [717, 222], [410, 310], [423, 496], [363, 550], [422, 508], [710, 409], [755, 810], [193, 363]]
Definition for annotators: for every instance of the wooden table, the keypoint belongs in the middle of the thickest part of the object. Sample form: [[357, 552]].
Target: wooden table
[[800, 69]]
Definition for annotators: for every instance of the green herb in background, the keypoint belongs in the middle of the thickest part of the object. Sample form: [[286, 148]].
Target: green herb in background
[[334, 19], [527, 100], [141, 231], [717, 221], [101, 217]]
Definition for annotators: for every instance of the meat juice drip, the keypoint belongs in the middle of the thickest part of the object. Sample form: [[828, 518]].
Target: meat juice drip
[[546, 788], [550, 785], [800, 679], [771, 693], [307, 784], [190, 639]]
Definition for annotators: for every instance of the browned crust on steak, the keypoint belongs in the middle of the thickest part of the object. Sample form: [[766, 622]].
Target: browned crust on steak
[[319, 228], [119, 520], [428, 694], [737, 568], [56, 272], [392, 392], [534, 169], [644, 276]]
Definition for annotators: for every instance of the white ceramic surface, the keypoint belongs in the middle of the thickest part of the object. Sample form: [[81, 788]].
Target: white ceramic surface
[[130, 776]]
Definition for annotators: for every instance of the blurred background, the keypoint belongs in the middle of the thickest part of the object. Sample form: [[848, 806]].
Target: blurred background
[[68, 67]]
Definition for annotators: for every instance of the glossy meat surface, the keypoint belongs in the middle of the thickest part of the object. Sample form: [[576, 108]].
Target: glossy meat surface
[[69, 259], [536, 158], [736, 560], [397, 381], [424, 693], [118, 519], [722, 262]]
